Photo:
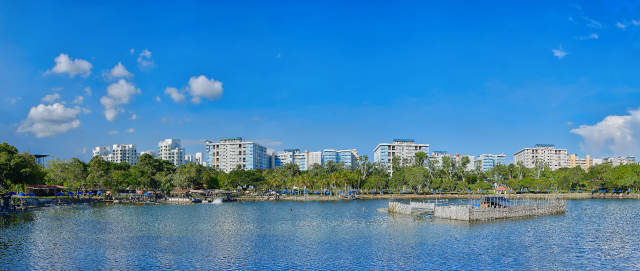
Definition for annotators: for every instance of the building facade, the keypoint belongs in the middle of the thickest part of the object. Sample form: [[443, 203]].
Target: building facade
[[575, 161], [313, 158], [171, 150], [231, 153], [541, 155], [404, 150], [118, 153], [488, 161], [621, 160]]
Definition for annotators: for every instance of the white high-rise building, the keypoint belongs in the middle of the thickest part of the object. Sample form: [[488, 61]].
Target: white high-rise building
[[231, 153], [314, 157], [118, 153], [470, 166], [199, 158], [621, 160], [542, 154], [402, 149], [171, 150]]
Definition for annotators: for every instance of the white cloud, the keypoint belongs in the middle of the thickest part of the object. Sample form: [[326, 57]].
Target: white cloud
[[48, 120], [174, 94], [133, 116], [132, 51], [88, 91], [130, 130], [78, 100], [592, 36], [119, 71], [615, 134], [201, 86], [50, 98], [559, 53], [635, 22], [112, 132], [64, 64], [158, 99], [144, 59], [118, 93], [621, 25], [592, 23]]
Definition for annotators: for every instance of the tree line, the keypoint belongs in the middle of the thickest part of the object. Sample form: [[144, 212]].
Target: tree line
[[422, 174]]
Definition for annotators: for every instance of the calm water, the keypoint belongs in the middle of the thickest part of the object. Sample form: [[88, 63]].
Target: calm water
[[594, 234]]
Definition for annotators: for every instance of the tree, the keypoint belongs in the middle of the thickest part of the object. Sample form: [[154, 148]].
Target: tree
[[420, 158]]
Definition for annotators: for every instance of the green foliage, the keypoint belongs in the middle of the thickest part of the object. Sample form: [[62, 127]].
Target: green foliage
[[423, 175]]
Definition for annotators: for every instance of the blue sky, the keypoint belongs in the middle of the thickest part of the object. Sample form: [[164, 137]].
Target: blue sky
[[465, 77]]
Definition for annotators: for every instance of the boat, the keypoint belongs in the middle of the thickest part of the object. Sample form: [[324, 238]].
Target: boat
[[196, 200], [217, 201]]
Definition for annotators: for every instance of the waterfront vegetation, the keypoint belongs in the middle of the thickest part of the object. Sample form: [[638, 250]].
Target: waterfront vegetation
[[421, 175]]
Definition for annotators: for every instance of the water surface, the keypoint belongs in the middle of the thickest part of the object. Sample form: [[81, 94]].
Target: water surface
[[593, 234]]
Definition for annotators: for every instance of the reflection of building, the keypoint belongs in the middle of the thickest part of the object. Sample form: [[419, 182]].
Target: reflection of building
[[231, 153], [575, 161], [404, 150], [542, 154], [118, 153], [489, 161], [171, 150]]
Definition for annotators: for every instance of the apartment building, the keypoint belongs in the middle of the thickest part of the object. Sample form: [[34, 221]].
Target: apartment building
[[489, 161], [404, 150], [118, 153], [231, 153], [171, 150], [542, 154]]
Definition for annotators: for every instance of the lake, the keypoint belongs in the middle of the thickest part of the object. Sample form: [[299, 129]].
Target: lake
[[593, 234]]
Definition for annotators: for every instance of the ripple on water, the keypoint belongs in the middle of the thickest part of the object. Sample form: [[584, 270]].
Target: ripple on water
[[594, 234]]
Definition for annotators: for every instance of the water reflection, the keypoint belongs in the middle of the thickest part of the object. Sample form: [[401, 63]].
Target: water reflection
[[593, 234]]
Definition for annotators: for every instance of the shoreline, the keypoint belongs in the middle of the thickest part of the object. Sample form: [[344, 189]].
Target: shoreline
[[567, 196]]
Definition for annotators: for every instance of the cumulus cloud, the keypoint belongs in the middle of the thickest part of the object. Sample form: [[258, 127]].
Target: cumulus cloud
[[199, 87], [112, 132], [132, 51], [635, 22], [559, 53], [144, 59], [130, 130], [50, 98], [615, 134], [133, 116], [202, 87], [621, 25], [174, 93], [64, 64], [119, 71], [118, 93], [49, 120], [88, 91], [158, 99], [78, 100]]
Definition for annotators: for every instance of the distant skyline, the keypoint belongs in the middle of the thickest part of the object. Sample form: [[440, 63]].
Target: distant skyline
[[470, 79]]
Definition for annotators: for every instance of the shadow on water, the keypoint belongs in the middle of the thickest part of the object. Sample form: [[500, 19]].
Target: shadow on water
[[16, 219]]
